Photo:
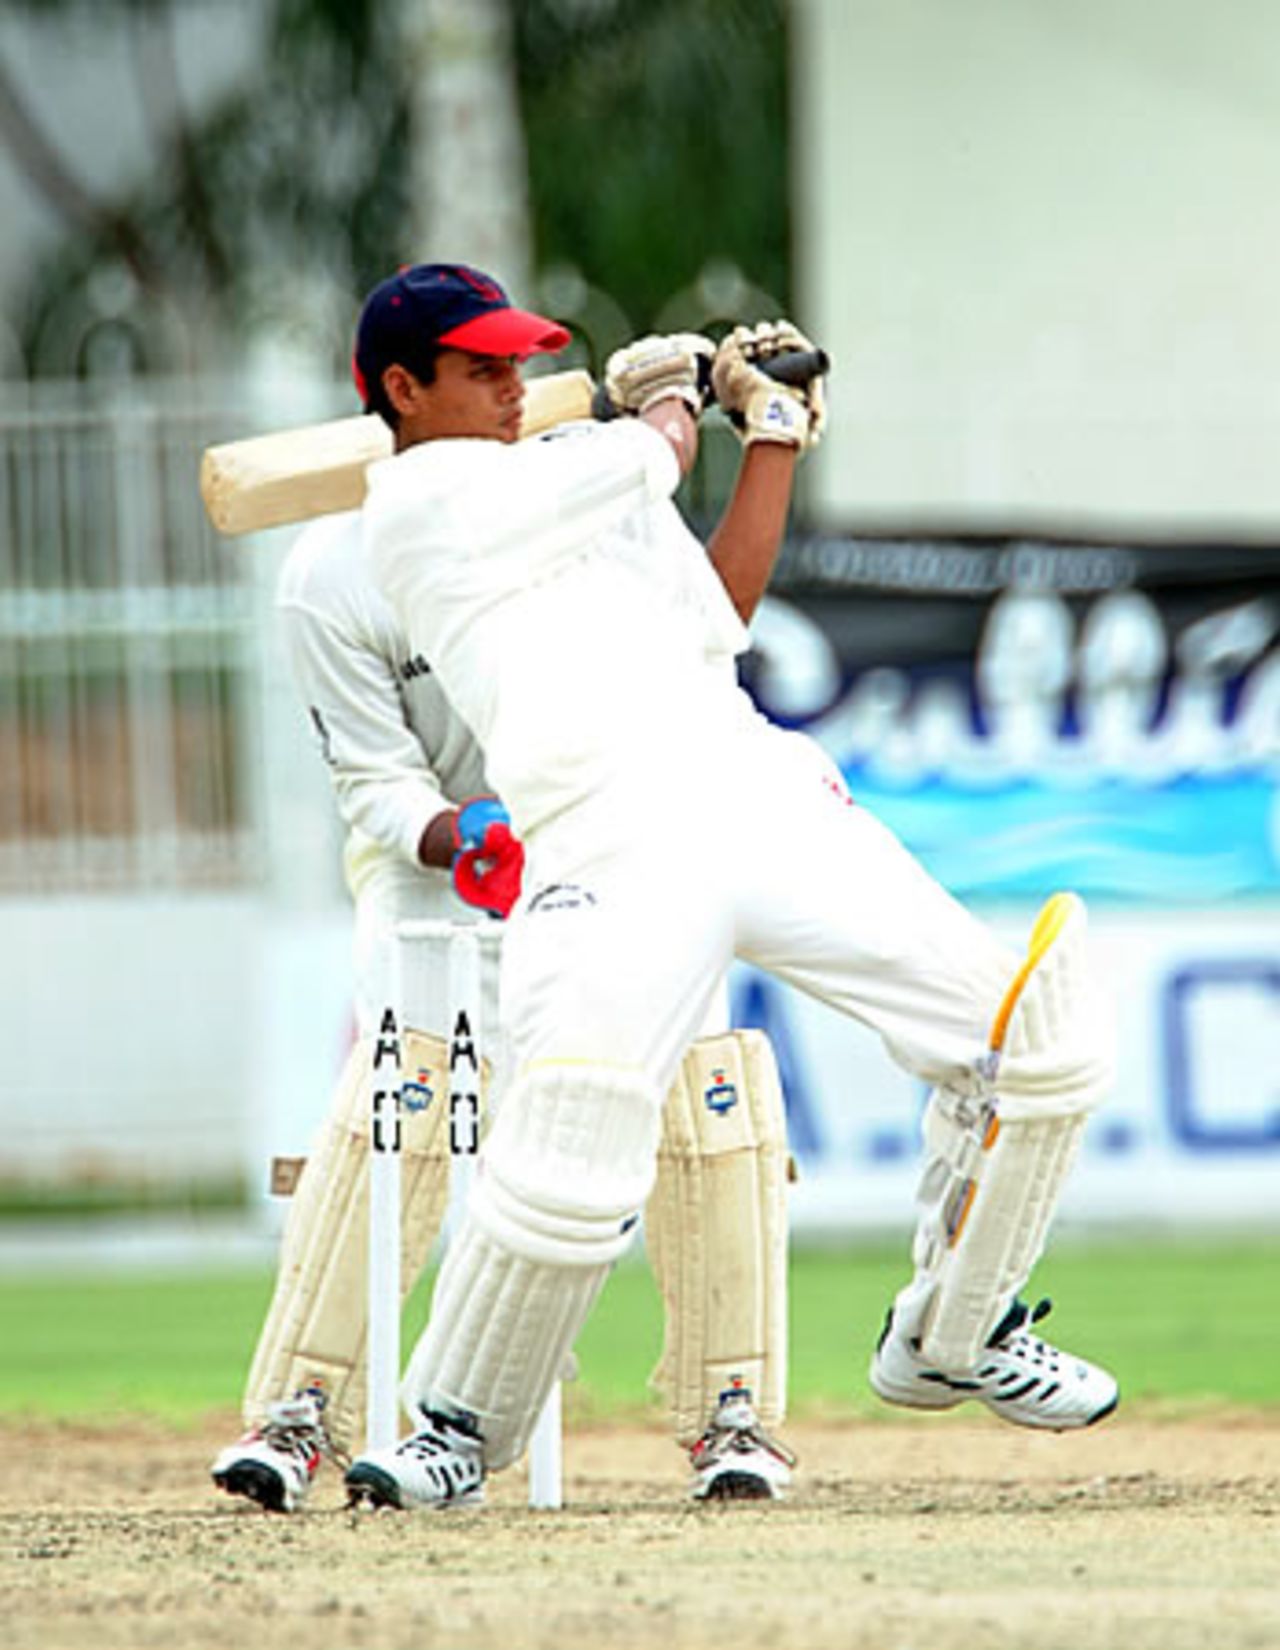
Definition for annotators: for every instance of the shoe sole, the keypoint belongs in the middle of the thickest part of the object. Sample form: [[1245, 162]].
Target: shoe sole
[[369, 1486], [994, 1405], [256, 1483], [1054, 1425], [737, 1486], [937, 1398]]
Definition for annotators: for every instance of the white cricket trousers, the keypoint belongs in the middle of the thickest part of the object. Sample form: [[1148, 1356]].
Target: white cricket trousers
[[628, 919]]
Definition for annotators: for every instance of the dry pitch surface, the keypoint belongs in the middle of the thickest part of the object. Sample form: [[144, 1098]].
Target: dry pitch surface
[[934, 1533]]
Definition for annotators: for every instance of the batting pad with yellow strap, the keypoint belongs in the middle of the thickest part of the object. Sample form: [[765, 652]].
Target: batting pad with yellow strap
[[317, 1323], [716, 1232], [998, 1153]]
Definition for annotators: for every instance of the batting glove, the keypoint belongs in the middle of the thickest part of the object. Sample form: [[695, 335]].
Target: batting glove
[[488, 862], [642, 373], [760, 408]]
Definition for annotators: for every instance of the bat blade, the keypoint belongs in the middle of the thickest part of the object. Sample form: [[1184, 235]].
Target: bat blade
[[291, 475], [294, 475]]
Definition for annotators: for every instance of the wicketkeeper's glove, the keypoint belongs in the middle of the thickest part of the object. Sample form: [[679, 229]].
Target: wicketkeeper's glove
[[675, 363], [488, 861], [760, 408]]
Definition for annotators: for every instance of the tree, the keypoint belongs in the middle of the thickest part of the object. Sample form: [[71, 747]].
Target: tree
[[655, 133]]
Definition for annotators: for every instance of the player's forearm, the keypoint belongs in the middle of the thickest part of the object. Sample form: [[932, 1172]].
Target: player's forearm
[[677, 426], [745, 544]]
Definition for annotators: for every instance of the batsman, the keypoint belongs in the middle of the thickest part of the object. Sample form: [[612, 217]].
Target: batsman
[[426, 838], [588, 640]]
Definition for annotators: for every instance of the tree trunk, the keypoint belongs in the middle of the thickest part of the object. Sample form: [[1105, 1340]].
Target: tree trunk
[[469, 176]]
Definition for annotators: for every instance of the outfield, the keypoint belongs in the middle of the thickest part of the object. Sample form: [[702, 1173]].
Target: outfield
[[1184, 1324]]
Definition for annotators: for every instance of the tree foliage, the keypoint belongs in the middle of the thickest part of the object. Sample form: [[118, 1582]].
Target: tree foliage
[[656, 137]]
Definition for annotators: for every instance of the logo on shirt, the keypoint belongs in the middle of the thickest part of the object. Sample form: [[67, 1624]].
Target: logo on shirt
[[561, 896], [417, 666], [572, 431]]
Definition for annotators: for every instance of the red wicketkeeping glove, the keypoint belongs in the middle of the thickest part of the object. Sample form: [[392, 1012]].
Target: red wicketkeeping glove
[[488, 862]]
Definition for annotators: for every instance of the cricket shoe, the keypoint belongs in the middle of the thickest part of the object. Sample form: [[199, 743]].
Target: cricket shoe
[[736, 1459], [276, 1463], [1021, 1379], [440, 1465]]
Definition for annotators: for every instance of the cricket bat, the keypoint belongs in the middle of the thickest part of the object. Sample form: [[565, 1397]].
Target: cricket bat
[[292, 475]]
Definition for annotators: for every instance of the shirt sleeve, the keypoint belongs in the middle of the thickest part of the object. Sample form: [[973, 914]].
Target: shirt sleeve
[[382, 780]]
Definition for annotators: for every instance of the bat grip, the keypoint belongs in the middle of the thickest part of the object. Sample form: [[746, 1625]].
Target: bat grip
[[795, 368]]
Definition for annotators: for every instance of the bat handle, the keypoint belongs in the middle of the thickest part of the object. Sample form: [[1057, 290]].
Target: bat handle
[[796, 368]]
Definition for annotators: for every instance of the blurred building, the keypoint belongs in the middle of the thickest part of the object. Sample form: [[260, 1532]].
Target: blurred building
[[1039, 243]]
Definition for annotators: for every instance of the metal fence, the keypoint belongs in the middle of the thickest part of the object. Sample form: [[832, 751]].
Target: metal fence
[[126, 648]]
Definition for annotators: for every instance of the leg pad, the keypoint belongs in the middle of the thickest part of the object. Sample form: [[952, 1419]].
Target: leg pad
[[999, 1148], [556, 1199], [316, 1326], [716, 1232]]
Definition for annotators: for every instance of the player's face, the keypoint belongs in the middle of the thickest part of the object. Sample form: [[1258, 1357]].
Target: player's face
[[471, 395]]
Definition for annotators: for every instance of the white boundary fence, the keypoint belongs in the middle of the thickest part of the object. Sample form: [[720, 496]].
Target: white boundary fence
[[126, 646]]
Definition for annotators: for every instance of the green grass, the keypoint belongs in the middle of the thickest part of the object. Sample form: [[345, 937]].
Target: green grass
[[1182, 1324]]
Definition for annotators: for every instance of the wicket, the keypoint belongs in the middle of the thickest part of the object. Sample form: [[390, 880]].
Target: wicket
[[461, 943]]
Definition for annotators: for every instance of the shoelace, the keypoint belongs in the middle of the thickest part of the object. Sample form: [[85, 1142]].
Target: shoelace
[[719, 1439], [439, 1434], [1018, 1315], [296, 1436]]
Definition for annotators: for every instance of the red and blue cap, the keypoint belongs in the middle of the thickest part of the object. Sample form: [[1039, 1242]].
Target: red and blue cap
[[407, 317]]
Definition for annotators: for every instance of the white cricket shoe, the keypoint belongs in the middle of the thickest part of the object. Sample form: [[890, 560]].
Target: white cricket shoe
[[1021, 1379], [275, 1464], [736, 1459], [440, 1465]]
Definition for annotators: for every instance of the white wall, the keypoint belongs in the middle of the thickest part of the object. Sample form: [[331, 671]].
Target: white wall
[[126, 1051], [1040, 242]]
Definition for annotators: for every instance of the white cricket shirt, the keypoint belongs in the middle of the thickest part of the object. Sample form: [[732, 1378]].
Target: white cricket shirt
[[572, 618], [397, 752]]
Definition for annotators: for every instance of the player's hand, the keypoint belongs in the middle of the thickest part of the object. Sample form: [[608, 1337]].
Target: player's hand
[[760, 408], [675, 363], [488, 862]]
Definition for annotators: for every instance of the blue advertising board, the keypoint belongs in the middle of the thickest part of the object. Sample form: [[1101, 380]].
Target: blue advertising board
[[1107, 721], [1030, 717]]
